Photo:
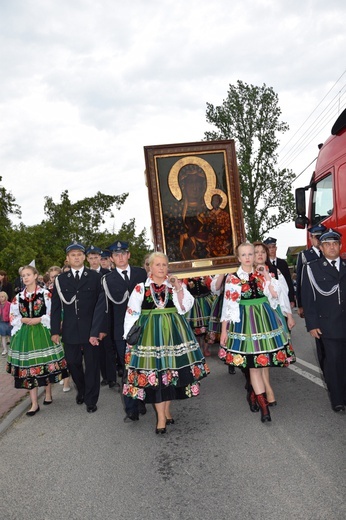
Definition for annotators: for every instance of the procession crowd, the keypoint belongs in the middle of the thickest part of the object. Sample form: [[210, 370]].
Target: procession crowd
[[149, 332]]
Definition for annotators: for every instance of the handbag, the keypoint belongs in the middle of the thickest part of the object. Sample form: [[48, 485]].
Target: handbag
[[135, 331], [133, 334]]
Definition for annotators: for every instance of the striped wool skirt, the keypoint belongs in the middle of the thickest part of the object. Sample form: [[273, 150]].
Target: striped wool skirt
[[260, 339], [199, 315], [214, 328], [167, 362], [33, 360]]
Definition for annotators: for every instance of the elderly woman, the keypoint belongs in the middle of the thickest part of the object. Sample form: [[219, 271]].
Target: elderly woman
[[166, 363]]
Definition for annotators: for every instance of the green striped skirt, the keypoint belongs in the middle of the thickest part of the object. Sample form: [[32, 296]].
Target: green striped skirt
[[167, 362], [260, 339], [33, 360], [199, 315]]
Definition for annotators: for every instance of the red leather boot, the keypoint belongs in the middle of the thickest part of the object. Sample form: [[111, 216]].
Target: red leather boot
[[251, 399], [263, 404]]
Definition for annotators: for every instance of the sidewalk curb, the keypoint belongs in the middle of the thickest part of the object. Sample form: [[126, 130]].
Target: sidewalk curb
[[16, 412]]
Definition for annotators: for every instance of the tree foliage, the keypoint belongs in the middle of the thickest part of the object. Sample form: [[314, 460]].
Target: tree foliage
[[8, 207], [137, 244], [251, 116], [81, 220], [66, 221]]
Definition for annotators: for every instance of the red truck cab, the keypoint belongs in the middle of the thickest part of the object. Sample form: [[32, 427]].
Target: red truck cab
[[327, 188]]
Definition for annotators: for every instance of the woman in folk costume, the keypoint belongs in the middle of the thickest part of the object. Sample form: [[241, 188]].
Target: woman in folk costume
[[166, 363], [33, 359], [199, 315], [262, 263], [217, 288], [254, 331]]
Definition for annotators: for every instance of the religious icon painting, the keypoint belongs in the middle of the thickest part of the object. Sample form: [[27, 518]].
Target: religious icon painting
[[195, 204]]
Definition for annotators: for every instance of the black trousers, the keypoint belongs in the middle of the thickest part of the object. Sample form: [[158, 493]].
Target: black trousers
[[108, 357], [87, 378], [320, 353], [335, 369]]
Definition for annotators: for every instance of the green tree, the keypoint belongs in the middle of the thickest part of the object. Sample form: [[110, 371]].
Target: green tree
[[20, 249], [66, 221], [83, 219], [137, 244], [8, 207], [251, 116]]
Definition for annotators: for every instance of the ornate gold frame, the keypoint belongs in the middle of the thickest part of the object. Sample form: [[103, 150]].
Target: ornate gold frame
[[198, 232]]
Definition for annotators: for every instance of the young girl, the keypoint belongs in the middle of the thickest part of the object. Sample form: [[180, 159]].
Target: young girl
[[33, 359], [5, 327], [254, 332]]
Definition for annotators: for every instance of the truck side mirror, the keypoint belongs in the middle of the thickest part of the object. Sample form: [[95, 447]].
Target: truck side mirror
[[301, 222], [300, 202]]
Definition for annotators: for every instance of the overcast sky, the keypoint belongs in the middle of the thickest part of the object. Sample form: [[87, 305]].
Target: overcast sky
[[86, 84]]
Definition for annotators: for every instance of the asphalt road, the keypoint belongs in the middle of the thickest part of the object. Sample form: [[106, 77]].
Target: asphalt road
[[218, 461]]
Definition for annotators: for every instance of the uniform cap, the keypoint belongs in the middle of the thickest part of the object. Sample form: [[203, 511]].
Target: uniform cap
[[330, 236], [118, 246], [269, 240], [94, 250], [317, 230], [75, 246]]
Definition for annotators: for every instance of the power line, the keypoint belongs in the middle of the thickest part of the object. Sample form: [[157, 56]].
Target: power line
[[328, 114], [329, 118], [316, 124], [301, 126], [306, 167]]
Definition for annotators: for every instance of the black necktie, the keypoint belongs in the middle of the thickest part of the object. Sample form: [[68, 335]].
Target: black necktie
[[273, 262], [76, 277], [127, 279], [333, 262]]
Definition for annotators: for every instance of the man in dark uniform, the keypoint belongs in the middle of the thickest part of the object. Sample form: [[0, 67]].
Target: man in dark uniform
[[74, 298], [118, 285], [305, 257], [18, 283], [93, 256], [106, 262], [324, 304], [282, 266], [107, 346]]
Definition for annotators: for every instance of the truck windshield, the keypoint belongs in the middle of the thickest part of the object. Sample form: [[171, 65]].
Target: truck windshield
[[322, 202]]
